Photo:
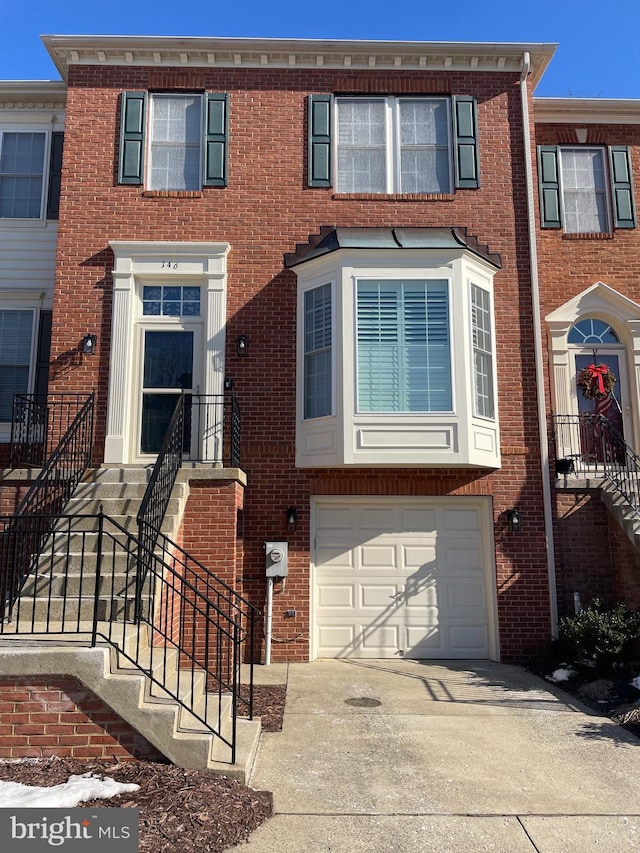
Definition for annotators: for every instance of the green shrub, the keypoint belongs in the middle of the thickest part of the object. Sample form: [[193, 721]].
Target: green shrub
[[604, 637]]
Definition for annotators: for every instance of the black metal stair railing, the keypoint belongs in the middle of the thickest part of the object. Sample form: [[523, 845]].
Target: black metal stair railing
[[587, 446], [28, 528], [181, 633], [38, 425]]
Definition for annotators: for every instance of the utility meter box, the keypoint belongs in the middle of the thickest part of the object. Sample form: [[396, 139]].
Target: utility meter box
[[276, 559]]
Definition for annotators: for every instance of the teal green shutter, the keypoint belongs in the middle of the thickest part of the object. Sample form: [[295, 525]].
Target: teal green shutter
[[549, 187], [465, 132], [132, 126], [624, 214], [320, 120], [216, 139], [55, 175]]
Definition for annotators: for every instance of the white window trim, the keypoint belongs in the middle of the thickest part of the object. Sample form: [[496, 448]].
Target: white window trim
[[607, 189], [494, 377], [24, 127], [428, 276], [23, 300], [406, 439], [393, 167], [153, 96]]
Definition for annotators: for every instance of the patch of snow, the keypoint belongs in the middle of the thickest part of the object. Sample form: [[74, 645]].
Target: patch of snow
[[562, 674], [77, 789], [636, 682]]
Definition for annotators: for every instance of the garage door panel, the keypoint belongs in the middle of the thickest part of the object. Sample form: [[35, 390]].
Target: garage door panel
[[377, 557], [464, 520], [424, 642], [336, 557], [383, 596], [422, 596], [335, 639], [464, 598], [336, 595], [468, 640], [467, 560], [378, 520], [335, 518], [418, 520], [409, 579], [379, 641], [418, 556]]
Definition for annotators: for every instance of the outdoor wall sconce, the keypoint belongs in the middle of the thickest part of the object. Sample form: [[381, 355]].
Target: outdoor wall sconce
[[242, 345], [514, 520], [89, 344], [292, 517]]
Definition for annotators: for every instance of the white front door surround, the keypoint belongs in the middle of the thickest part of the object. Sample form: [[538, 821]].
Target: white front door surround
[[623, 315], [170, 263]]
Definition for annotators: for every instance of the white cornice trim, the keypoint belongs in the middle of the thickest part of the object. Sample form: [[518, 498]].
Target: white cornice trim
[[33, 94], [586, 111], [198, 52]]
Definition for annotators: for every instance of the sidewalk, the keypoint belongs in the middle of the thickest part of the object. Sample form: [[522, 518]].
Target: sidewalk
[[382, 756]]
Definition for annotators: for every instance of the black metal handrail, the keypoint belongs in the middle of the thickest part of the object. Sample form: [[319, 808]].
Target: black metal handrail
[[588, 446], [47, 496], [39, 423], [158, 492], [84, 582]]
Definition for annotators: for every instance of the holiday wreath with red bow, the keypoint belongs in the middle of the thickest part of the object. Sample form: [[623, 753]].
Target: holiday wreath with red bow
[[596, 381]]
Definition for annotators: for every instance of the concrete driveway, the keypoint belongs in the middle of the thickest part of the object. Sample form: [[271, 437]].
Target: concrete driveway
[[410, 756]]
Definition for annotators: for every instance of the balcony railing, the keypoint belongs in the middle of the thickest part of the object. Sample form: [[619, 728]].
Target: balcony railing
[[588, 447], [38, 425]]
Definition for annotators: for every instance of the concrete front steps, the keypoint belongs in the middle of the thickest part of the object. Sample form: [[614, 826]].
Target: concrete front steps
[[172, 729]]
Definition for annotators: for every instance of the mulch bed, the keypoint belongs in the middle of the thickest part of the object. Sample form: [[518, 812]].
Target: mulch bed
[[181, 811]]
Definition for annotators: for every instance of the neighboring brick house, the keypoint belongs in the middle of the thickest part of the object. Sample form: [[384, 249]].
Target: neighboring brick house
[[343, 235], [588, 249]]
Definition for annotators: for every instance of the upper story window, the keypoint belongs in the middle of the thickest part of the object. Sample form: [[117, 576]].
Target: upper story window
[[182, 139], [586, 189], [393, 145], [175, 133], [389, 145], [22, 165]]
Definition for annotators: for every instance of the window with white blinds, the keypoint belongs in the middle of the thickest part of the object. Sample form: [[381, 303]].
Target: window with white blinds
[[403, 346], [317, 352], [484, 403], [22, 166], [16, 330]]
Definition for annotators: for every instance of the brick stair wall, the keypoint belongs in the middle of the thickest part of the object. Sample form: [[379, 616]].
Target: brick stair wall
[[43, 717]]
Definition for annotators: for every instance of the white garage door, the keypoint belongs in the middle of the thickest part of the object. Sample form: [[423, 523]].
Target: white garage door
[[403, 578]]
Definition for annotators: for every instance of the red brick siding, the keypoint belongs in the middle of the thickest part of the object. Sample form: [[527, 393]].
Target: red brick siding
[[58, 716], [568, 264], [263, 213], [583, 552]]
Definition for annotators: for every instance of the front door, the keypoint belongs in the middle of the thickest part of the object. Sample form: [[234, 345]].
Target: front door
[[614, 406], [167, 372]]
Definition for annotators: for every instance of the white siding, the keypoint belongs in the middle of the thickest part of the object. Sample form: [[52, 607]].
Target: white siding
[[28, 256]]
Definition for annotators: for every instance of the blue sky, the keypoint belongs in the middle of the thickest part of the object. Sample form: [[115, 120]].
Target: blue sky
[[597, 56]]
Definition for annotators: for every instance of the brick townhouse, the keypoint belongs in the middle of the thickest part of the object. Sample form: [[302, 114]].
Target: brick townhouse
[[390, 263]]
